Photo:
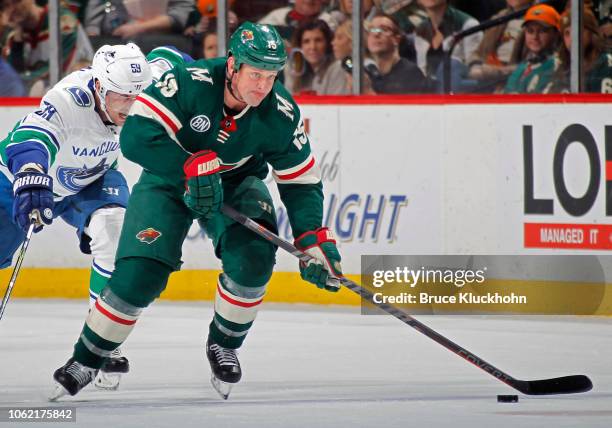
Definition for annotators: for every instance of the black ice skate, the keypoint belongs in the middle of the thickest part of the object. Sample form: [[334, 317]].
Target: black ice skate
[[225, 368], [71, 378], [109, 376]]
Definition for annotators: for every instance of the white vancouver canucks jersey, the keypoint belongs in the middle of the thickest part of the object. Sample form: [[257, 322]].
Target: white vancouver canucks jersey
[[80, 146]]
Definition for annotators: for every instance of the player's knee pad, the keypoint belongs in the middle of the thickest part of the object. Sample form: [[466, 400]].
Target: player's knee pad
[[247, 258], [139, 281], [104, 229]]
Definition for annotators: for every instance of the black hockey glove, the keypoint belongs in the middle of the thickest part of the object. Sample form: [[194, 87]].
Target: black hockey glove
[[33, 191]]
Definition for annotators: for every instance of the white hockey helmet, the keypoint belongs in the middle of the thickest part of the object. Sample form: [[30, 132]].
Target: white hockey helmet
[[122, 69]]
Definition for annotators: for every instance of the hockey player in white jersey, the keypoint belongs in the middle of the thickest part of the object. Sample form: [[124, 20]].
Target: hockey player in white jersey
[[60, 161]]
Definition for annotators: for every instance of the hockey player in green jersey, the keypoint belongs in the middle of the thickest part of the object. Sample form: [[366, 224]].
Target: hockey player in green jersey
[[206, 134]]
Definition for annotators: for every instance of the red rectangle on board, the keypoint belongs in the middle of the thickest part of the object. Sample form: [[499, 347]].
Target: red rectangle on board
[[572, 236]]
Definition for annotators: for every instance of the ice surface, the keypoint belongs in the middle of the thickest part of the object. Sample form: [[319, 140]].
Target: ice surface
[[307, 366]]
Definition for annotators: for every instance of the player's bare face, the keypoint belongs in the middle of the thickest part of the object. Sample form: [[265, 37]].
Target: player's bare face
[[118, 106], [253, 84]]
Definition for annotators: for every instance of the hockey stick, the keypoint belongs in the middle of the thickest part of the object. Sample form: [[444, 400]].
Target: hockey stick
[[560, 385], [17, 268]]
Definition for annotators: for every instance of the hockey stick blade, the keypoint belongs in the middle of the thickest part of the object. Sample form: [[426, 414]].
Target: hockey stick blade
[[560, 385]]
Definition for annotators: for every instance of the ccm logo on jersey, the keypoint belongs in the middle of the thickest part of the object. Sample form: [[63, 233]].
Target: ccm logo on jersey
[[200, 123], [29, 180]]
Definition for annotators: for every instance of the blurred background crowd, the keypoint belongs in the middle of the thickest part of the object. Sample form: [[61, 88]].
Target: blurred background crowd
[[404, 41]]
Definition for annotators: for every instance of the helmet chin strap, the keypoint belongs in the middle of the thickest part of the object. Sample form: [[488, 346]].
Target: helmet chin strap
[[102, 98], [228, 83]]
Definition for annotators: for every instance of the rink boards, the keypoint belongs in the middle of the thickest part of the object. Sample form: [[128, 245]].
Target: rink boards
[[413, 175]]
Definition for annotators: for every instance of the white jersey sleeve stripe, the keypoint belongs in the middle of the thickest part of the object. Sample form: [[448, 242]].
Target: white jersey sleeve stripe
[[307, 172], [159, 112], [148, 107], [294, 169]]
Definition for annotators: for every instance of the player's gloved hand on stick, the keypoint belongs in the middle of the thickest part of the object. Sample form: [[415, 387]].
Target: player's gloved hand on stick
[[203, 189], [320, 244], [33, 198]]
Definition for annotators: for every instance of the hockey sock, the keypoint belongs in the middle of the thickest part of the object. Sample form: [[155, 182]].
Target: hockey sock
[[109, 323], [235, 310], [98, 279]]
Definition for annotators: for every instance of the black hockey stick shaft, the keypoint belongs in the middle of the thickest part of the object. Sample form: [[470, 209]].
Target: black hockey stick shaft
[[561, 385]]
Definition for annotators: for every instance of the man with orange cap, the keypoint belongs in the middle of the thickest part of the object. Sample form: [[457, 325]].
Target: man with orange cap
[[541, 30]]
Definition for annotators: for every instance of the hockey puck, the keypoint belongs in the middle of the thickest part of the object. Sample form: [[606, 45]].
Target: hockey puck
[[507, 398]]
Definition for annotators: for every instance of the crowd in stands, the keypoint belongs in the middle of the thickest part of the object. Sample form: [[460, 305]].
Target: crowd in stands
[[405, 41]]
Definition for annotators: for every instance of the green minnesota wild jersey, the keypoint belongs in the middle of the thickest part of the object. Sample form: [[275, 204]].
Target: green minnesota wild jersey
[[164, 58], [183, 113], [599, 79], [531, 78]]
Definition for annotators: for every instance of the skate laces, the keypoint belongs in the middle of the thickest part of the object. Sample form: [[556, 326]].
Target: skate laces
[[82, 374], [225, 356]]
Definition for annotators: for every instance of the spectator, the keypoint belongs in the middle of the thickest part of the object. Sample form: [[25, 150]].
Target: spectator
[[393, 74], [77, 7], [254, 10], [140, 21], [597, 63], [209, 44], [342, 43], [407, 13], [434, 36], [541, 29], [345, 10], [287, 19], [26, 44], [312, 67], [203, 30], [12, 86], [206, 17], [492, 62]]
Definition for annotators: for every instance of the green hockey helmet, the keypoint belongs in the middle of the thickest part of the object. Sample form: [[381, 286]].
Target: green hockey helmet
[[259, 46]]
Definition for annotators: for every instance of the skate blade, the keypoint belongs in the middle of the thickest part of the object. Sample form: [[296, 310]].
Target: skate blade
[[107, 381], [222, 388], [58, 392]]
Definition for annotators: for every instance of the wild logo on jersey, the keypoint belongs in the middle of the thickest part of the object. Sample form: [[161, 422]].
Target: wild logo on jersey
[[75, 179], [148, 235]]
